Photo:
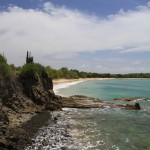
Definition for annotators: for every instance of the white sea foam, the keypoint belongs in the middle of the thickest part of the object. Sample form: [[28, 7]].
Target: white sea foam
[[57, 87], [54, 136]]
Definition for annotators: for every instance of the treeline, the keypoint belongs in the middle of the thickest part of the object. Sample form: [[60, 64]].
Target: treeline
[[66, 73], [30, 69], [75, 74]]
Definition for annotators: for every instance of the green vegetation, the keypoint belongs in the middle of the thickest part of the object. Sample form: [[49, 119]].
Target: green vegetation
[[3, 59], [75, 74], [4, 67], [61, 73], [30, 69]]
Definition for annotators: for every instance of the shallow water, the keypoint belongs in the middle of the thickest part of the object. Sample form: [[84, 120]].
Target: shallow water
[[109, 89], [99, 129], [111, 129]]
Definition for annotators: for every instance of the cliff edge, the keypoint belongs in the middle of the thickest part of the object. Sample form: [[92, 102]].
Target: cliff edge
[[22, 97]]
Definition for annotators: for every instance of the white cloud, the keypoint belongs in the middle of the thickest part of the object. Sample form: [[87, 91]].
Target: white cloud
[[62, 31], [136, 62], [83, 66], [98, 67]]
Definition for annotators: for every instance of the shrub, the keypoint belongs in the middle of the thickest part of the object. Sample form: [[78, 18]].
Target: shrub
[[39, 68], [3, 59], [4, 67], [4, 70], [30, 69]]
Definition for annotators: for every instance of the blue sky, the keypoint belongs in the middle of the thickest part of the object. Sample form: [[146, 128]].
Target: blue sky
[[90, 35], [97, 7]]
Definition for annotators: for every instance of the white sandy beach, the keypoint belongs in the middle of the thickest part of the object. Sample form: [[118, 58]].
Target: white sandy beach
[[64, 83]]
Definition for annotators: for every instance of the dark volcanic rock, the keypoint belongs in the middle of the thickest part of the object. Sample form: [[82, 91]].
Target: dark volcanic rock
[[133, 107], [39, 89], [79, 101], [21, 95], [4, 120], [18, 138], [137, 106]]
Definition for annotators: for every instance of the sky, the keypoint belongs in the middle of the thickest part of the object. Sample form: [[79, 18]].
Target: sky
[[103, 36]]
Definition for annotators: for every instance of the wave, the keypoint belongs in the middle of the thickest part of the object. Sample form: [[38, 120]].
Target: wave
[[57, 87]]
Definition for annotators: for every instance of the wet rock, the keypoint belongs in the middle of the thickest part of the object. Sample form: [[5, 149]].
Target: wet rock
[[45, 142], [40, 148], [53, 134], [79, 101], [64, 148], [137, 106], [128, 99], [55, 118], [133, 107]]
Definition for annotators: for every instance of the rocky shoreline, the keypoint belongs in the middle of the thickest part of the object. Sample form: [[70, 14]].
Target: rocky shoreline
[[28, 106], [79, 101], [21, 136], [22, 99], [128, 99], [54, 135]]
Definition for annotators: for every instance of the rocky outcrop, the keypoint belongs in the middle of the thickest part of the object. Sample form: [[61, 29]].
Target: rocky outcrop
[[78, 101], [39, 89], [21, 98], [128, 99], [133, 107]]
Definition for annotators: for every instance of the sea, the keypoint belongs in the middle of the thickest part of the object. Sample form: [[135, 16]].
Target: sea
[[110, 128], [99, 128]]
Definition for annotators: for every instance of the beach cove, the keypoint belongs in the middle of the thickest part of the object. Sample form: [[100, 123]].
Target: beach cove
[[112, 128], [39, 113], [107, 127], [74, 75], [87, 123]]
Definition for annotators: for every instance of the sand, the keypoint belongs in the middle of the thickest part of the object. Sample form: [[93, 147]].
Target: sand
[[59, 81], [64, 83]]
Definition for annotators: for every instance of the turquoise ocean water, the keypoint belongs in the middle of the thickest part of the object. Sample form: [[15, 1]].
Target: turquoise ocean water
[[111, 129]]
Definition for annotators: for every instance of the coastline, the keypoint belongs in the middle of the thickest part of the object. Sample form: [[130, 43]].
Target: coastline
[[77, 133], [64, 83], [30, 124], [59, 81]]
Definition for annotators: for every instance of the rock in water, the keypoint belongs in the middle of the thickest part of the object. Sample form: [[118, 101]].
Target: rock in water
[[137, 106], [133, 107]]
